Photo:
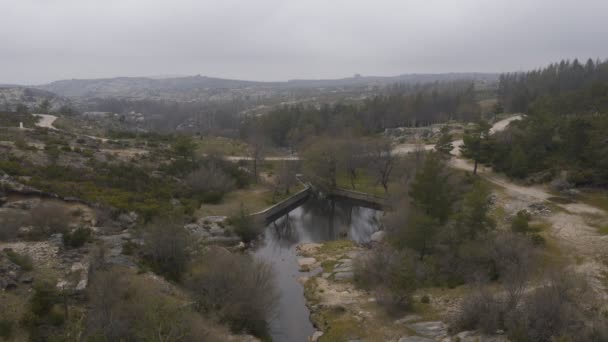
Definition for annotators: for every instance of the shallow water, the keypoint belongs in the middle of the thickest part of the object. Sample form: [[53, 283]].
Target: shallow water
[[313, 221]]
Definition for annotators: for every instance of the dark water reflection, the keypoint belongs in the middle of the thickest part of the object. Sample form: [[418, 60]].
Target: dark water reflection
[[313, 221]]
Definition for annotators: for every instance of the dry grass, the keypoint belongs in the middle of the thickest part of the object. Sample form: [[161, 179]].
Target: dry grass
[[252, 199]]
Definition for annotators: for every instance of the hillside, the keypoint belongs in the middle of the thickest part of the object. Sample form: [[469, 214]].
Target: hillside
[[142, 87], [32, 98]]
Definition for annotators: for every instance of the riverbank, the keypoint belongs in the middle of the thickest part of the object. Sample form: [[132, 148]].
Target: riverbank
[[342, 312]]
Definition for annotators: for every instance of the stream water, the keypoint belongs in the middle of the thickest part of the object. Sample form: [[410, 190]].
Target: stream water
[[313, 221]]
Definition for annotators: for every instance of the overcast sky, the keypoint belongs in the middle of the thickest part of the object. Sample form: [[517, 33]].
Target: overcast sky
[[46, 40]]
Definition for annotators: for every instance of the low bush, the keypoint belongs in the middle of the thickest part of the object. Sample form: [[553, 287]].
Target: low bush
[[77, 238], [390, 274], [239, 290], [43, 312], [245, 227], [166, 247], [22, 260], [6, 329], [123, 306]]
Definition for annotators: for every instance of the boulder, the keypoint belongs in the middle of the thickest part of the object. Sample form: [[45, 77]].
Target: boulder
[[315, 337], [128, 219], [433, 329], [345, 275], [415, 339], [23, 204], [378, 236], [306, 264], [26, 279]]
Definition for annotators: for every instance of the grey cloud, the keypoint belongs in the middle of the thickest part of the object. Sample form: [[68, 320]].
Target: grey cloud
[[45, 40]]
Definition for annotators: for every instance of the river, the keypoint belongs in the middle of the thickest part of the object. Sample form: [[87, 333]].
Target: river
[[313, 221]]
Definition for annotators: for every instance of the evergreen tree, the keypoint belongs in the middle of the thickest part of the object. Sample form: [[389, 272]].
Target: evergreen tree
[[475, 142], [444, 144], [473, 219]]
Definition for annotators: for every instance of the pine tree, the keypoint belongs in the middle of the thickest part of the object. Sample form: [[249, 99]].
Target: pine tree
[[475, 142], [444, 144]]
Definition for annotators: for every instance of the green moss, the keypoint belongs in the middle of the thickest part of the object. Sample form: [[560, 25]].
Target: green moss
[[603, 230], [328, 265], [336, 247]]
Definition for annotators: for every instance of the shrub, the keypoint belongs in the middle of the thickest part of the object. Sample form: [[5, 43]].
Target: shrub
[[166, 247], [390, 274], [241, 291], [24, 261], [425, 299], [125, 307], [244, 226], [48, 218], [129, 247], [520, 223], [538, 240], [6, 329], [479, 310], [210, 178], [10, 222], [45, 296], [77, 238]]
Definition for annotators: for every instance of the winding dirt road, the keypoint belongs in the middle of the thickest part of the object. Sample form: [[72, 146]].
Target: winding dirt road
[[572, 225]]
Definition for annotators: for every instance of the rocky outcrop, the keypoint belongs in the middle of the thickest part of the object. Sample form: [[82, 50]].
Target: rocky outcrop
[[213, 229]]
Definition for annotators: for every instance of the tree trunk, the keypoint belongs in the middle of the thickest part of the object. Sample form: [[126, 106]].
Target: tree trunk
[[255, 169], [475, 168]]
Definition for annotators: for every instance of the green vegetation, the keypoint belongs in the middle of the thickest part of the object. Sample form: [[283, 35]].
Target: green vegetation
[[24, 261], [44, 312], [77, 238], [209, 145], [444, 143], [565, 128], [404, 105]]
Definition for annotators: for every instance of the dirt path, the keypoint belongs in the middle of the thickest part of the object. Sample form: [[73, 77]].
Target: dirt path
[[46, 121], [572, 225]]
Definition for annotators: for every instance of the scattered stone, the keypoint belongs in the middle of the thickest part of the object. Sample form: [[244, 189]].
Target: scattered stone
[[128, 220], [408, 319], [24, 231], [216, 230], [434, 329], [305, 264], [344, 275], [539, 208], [26, 279], [23, 204], [378, 236], [315, 337], [307, 248], [415, 339]]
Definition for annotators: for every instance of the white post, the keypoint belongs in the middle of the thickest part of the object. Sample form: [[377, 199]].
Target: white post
[[20, 125]]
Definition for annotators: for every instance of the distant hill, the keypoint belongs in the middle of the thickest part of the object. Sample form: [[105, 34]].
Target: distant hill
[[190, 86], [141, 86], [383, 80], [10, 96]]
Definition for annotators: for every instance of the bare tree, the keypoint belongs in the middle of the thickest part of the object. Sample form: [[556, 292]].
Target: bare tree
[[166, 246], [285, 177], [321, 163], [351, 158], [126, 307], [210, 177], [258, 145], [240, 290], [381, 161]]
